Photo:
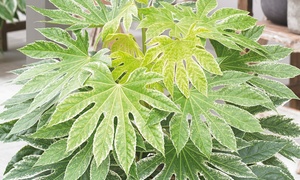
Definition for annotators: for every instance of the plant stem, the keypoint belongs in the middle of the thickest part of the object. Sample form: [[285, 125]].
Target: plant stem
[[144, 40]]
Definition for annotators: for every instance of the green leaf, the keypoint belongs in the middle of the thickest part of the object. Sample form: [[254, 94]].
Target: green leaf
[[5, 12], [26, 169], [238, 22], [99, 172], [290, 150], [156, 116], [23, 152], [57, 131], [222, 132], [274, 161], [121, 10], [169, 63], [216, 116], [254, 33], [146, 166], [243, 95], [281, 125], [14, 112], [41, 144], [21, 5], [273, 88], [11, 5], [5, 128], [125, 101], [113, 176], [203, 142], [124, 64], [80, 162], [272, 69], [260, 151], [70, 13], [185, 165], [268, 172], [229, 78], [123, 42], [30, 119], [64, 76], [204, 7], [231, 165], [179, 132], [51, 155], [158, 20]]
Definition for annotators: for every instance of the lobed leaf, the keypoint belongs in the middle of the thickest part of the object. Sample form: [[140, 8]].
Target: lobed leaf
[[188, 51], [126, 100], [191, 163]]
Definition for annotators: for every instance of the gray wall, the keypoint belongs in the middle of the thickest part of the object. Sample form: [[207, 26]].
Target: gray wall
[[33, 21]]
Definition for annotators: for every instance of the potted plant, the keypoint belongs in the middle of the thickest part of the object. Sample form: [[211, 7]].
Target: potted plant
[[275, 11], [167, 109]]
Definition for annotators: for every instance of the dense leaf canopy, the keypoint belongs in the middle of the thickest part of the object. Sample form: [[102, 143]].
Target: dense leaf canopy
[[163, 108]]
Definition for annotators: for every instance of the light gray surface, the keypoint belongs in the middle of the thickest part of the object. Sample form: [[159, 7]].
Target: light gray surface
[[294, 16]]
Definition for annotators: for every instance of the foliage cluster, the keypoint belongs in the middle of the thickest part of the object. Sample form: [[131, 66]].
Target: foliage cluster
[[9, 9], [159, 109]]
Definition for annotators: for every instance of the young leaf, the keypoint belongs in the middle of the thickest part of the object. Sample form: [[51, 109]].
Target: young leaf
[[124, 64], [123, 42], [189, 51], [125, 100], [121, 11], [260, 151], [158, 20]]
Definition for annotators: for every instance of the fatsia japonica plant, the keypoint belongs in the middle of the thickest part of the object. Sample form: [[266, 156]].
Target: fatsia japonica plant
[[163, 108]]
